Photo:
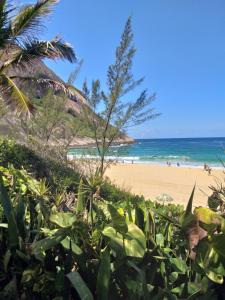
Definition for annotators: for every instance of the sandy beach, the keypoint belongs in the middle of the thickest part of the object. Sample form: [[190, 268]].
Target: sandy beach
[[153, 180]]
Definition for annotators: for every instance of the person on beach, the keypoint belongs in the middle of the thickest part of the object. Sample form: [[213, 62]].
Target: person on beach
[[207, 169], [178, 164]]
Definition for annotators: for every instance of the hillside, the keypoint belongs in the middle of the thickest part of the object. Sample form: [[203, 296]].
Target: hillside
[[36, 91]]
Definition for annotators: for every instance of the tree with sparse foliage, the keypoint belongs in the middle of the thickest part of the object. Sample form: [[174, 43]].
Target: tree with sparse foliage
[[114, 112], [52, 128], [20, 48]]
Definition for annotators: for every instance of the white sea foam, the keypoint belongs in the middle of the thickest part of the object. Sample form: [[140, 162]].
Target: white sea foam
[[149, 160]]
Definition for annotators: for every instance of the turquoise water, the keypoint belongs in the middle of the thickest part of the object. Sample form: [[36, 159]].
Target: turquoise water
[[186, 151]]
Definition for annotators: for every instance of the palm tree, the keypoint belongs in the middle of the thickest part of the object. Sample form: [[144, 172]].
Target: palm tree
[[21, 48]]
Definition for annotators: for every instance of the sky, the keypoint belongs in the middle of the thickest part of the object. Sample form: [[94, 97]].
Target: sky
[[180, 52]]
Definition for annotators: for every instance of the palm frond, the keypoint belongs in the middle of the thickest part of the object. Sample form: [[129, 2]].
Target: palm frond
[[30, 18], [54, 85], [14, 96], [3, 14], [36, 50], [57, 86]]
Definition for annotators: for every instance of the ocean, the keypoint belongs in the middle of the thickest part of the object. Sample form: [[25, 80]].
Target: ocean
[[192, 152]]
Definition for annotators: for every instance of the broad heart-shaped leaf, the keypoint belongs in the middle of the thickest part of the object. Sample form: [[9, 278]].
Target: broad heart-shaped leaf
[[80, 286], [178, 265], [119, 221], [104, 275], [133, 242], [63, 219], [75, 249]]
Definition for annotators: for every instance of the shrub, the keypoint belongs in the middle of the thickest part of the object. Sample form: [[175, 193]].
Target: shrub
[[57, 175], [138, 252]]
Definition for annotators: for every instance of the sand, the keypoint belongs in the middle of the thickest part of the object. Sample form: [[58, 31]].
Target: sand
[[178, 182]]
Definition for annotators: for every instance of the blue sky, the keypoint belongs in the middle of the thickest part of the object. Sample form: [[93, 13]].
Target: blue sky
[[180, 51]]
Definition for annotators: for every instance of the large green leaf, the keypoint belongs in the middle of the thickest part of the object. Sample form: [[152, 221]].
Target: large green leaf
[[80, 286], [103, 276], [218, 243], [111, 233], [20, 218], [217, 278], [179, 265], [160, 240], [207, 216], [13, 234], [80, 198], [150, 224], [139, 218], [119, 221], [39, 247], [133, 242], [63, 219]]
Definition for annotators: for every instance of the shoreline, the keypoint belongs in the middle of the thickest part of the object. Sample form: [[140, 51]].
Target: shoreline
[[153, 180], [125, 161]]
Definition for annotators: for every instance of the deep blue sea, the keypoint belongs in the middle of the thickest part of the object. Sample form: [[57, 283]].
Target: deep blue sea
[[186, 151]]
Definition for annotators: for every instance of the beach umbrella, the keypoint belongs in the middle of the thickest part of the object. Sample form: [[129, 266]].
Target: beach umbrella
[[164, 198]]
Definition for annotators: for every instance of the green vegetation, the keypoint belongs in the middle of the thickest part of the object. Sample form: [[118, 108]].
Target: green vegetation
[[54, 247], [20, 48], [64, 235], [52, 130]]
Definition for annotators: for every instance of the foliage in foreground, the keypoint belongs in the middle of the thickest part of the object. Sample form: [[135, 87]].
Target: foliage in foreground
[[131, 249]]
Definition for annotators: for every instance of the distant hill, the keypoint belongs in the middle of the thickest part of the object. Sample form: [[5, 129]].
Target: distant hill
[[74, 102]]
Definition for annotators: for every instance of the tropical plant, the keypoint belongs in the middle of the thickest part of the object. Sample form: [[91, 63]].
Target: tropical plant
[[20, 48], [138, 251]]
